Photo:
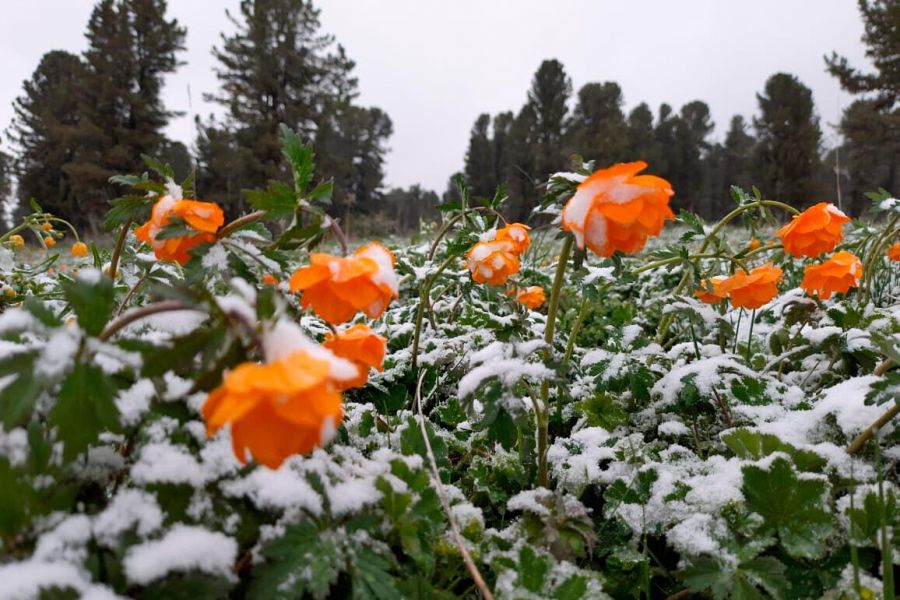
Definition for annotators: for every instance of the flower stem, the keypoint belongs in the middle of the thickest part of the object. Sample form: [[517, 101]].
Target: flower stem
[[543, 408], [424, 291], [117, 251], [750, 335], [666, 321], [240, 222]]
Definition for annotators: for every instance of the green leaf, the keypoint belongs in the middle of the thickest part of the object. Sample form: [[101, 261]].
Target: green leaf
[[302, 561], [84, 409], [15, 499], [300, 156], [125, 209], [92, 301], [886, 389], [278, 199], [532, 569], [188, 586], [790, 506], [371, 577], [18, 397], [753, 445], [158, 167], [34, 205], [572, 588], [175, 228], [41, 312]]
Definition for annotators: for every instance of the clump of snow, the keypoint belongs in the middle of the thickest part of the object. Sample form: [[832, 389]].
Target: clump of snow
[[280, 489], [163, 462], [135, 401], [128, 509], [183, 548]]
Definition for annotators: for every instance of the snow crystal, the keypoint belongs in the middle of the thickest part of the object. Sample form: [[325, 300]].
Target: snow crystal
[[673, 428], [531, 501], [89, 276], [595, 273], [697, 535], [66, 541], [14, 446], [351, 496], [183, 548], [162, 462], [24, 580], [281, 489], [706, 376], [58, 354], [216, 258], [128, 509], [135, 401]]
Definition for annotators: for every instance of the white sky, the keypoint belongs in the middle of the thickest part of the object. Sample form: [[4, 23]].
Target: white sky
[[434, 65]]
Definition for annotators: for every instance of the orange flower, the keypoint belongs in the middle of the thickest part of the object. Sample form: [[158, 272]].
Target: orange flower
[[49, 242], [79, 249], [712, 290], [531, 297], [517, 235], [837, 274], [269, 279], [816, 230], [278, 409], [338, 288], [493, 262], [893, 252], [754, 289], [617, 209], [205, 217], [361, 346]]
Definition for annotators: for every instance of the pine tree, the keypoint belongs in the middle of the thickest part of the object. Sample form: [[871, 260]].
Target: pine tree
[[786, 158], [479, 168], [882, 39], [500, 147], [739, 145], [46, 136], [597, 129], [548, 99], [685, 171], [870, 156], [641, 139], [132, 46], [278, 68]]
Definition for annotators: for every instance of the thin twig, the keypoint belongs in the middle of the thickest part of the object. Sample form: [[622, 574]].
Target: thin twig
[[340, 237], [869, 432], [240, 222], [131, 293], [144, 311], [454, 528]]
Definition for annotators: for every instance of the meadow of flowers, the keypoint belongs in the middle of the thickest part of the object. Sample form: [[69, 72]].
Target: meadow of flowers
[[615, 402]]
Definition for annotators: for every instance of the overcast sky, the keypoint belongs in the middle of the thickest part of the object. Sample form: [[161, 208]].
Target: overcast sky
[[434, 65]]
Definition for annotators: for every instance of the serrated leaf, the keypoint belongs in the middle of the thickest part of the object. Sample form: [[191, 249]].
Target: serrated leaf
[[302, 561], [85, 408], [17, 397], [125, 209], [753, 445], [160, 168], [371, 577], [790, 506], [532, 569], [92, 300]]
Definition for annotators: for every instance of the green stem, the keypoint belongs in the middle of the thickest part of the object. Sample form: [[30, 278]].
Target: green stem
[[737, 328], [666, 320], [750, 335], [875, 253], [117, 251], [420, 311], [549, 329]]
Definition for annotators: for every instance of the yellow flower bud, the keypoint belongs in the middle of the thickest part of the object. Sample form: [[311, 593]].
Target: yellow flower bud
[[46, 226], [79, 249], [49, 242], [17, 242], [9, 292], [754, 244]]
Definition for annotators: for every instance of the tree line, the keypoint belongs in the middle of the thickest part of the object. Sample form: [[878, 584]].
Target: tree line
[[780, 150], [83, 118]]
